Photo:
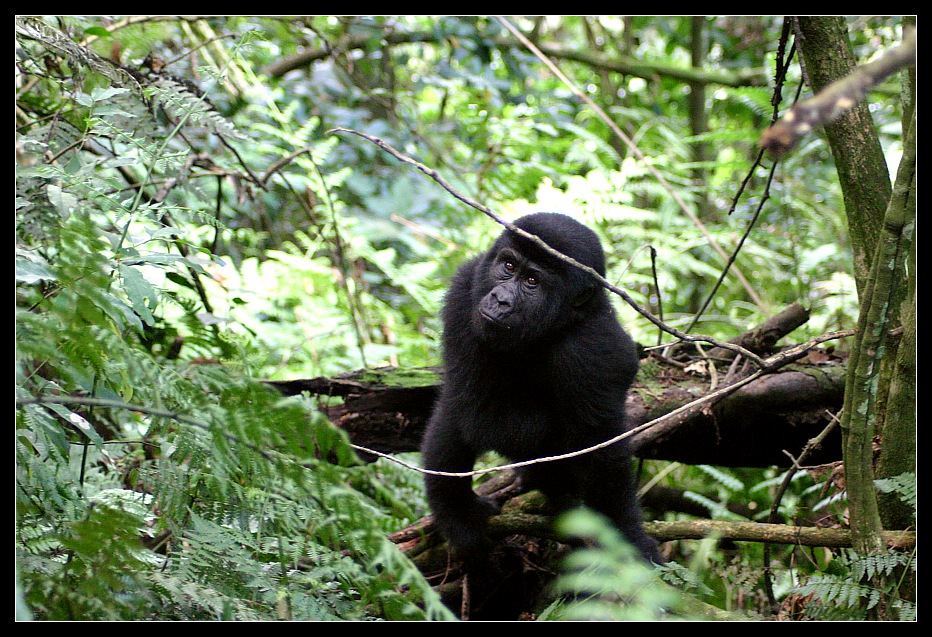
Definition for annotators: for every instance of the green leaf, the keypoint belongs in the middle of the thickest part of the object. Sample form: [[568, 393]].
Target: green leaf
[[29, 271], [65, 202], [80, 423], [142, 296], [104, 94], [100, 32]]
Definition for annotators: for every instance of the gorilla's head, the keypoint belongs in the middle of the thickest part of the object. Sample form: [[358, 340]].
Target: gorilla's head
[[523, 293]]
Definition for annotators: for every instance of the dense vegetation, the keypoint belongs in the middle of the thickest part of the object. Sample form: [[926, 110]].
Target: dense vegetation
[[190, 222]]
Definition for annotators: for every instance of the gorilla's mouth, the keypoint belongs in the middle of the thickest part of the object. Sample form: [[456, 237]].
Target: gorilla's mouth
[[498, 321]]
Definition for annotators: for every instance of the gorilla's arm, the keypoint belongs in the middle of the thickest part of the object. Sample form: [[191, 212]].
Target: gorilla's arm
[[460, 514]]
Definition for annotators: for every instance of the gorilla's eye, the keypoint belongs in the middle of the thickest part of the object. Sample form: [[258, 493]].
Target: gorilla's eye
[[531, 281], [509, 266]]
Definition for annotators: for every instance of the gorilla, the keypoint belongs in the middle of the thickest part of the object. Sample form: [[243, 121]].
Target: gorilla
[[536, 364]]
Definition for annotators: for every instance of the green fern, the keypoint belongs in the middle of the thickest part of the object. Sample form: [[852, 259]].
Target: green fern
[[607, 581], [100, 578], [184, 599], [865, 567], [903, 485], [151, 486], [831, 590], [860, 584]]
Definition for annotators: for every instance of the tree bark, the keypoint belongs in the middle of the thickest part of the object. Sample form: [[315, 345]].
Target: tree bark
[[863, 392], [879, 374], [757, 426], [898, 435], [859, 159]]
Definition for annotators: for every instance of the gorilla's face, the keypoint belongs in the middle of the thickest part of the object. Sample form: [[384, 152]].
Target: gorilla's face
[[516, 307], [521, 293]]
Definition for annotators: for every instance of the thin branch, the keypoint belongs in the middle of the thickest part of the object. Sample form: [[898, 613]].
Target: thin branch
[[637, 153], [138, 19], [811, 446], [734, 254], [281, 163], [669, 420], [145, 409], [433, 174], [618, 64], [837, 98], [337, 250]]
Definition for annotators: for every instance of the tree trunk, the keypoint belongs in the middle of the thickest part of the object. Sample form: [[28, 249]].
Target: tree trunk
[[898, 432], [898, 446], [859, 159], [880, 388]]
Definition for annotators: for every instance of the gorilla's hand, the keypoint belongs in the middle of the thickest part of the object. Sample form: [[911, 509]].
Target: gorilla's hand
[[465, 528]]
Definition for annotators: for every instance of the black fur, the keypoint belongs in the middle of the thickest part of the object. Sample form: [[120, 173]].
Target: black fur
[[536, 365]]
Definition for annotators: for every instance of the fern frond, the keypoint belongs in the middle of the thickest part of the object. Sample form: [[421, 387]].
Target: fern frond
[[903, 485], [187, 599], [866, 567], [832, 590], [722, 476]]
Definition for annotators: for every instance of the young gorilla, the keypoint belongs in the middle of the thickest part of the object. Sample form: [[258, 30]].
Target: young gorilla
[[536, 365]]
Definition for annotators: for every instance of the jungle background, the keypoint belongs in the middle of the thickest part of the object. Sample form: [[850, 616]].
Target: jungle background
[[209, 210]]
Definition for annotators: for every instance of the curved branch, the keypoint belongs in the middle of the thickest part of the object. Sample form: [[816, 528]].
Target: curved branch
[[433, 174], [616, 64], [836, 98], [640, 156]]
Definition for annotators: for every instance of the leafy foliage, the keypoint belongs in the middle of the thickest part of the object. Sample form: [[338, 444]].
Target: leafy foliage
[[903, 485], [186, 224], [851, 584], [846, 593], [608, 581], [154, 486]]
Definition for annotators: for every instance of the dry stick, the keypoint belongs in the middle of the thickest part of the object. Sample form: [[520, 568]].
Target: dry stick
[[433, 174], [811, 446], [634, 149]]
